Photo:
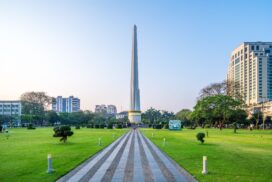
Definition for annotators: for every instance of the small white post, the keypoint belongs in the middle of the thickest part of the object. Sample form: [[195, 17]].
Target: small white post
[[49, 161], [99, 141], [152, 135], [205, 170], [164, 141]]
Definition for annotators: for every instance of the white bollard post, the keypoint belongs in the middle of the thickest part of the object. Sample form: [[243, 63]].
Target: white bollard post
[[49, 160], [205, 170], [164, 141], [99, 141]]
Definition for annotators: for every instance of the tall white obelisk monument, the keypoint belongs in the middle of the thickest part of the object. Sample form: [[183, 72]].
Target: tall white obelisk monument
[[134, 115]]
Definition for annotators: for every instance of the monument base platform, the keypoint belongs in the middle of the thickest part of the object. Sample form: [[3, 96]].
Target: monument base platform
[[134, 116]]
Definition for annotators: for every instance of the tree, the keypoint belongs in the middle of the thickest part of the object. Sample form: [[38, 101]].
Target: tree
[[63, 132], [35, 103], [214, 89], [52, 117], [216, 109], [185, 116]]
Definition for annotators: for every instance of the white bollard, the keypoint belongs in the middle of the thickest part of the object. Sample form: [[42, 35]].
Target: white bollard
[[205, 170], [99, 141], [164, 141], [49, 160]]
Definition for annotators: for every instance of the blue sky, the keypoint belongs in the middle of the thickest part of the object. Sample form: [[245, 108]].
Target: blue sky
[[83, 48]]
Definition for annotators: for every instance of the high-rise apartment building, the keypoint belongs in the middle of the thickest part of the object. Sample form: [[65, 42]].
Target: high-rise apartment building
[[70, 104], [250, 72]]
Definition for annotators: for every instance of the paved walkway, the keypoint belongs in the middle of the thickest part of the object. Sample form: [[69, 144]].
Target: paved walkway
[[132, 157]]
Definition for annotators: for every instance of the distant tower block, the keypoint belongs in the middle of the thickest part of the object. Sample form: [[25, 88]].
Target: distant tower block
[[134, 115]]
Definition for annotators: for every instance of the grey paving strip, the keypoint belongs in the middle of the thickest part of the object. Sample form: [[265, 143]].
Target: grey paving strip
[[130, 161], [77, 174], [132, 157], [138, 169], [157, 170], [89, 174], [107, 166], [178, 173], [148, 175], [120, 169]]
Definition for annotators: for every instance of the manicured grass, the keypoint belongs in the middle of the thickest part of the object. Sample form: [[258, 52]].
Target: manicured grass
[[245, 156], [23, 156]]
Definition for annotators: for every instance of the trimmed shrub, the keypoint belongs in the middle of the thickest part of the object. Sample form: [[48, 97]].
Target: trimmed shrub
[[119, 126], [166, 126], [200, 137], [96, 126], [31, 127], [77, 127], [63, 132]]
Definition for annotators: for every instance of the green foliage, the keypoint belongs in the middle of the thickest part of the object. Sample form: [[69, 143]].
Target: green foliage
[[77, 127], [185, 116], [119, 126], [63, 132], [110, 126], [30, 127], [89, 125], [52, 117], [200, 137], [34, 103], [217, 109], [157, 126], [153, 116], [102, 126]]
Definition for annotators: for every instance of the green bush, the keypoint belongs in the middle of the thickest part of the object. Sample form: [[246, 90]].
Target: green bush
[[89, 126], [31, 127], [200, 137], [63, 132], [102, 126], [77, 127], [119, 126], [110, 126], [207, 126], [157, 126], [166, 126], [96, 126]]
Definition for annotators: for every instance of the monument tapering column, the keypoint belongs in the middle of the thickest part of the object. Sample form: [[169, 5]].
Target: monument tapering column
[[134, 115]]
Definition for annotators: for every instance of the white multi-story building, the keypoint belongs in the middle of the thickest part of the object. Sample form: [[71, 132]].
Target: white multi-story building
[[70, 104], [11, 108], [250, 71], [110, 109]]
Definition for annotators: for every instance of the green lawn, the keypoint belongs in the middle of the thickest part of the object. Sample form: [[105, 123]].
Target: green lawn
[[245, 156], [23, 154]]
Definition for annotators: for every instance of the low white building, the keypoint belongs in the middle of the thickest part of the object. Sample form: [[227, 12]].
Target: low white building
[[11, 108]]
